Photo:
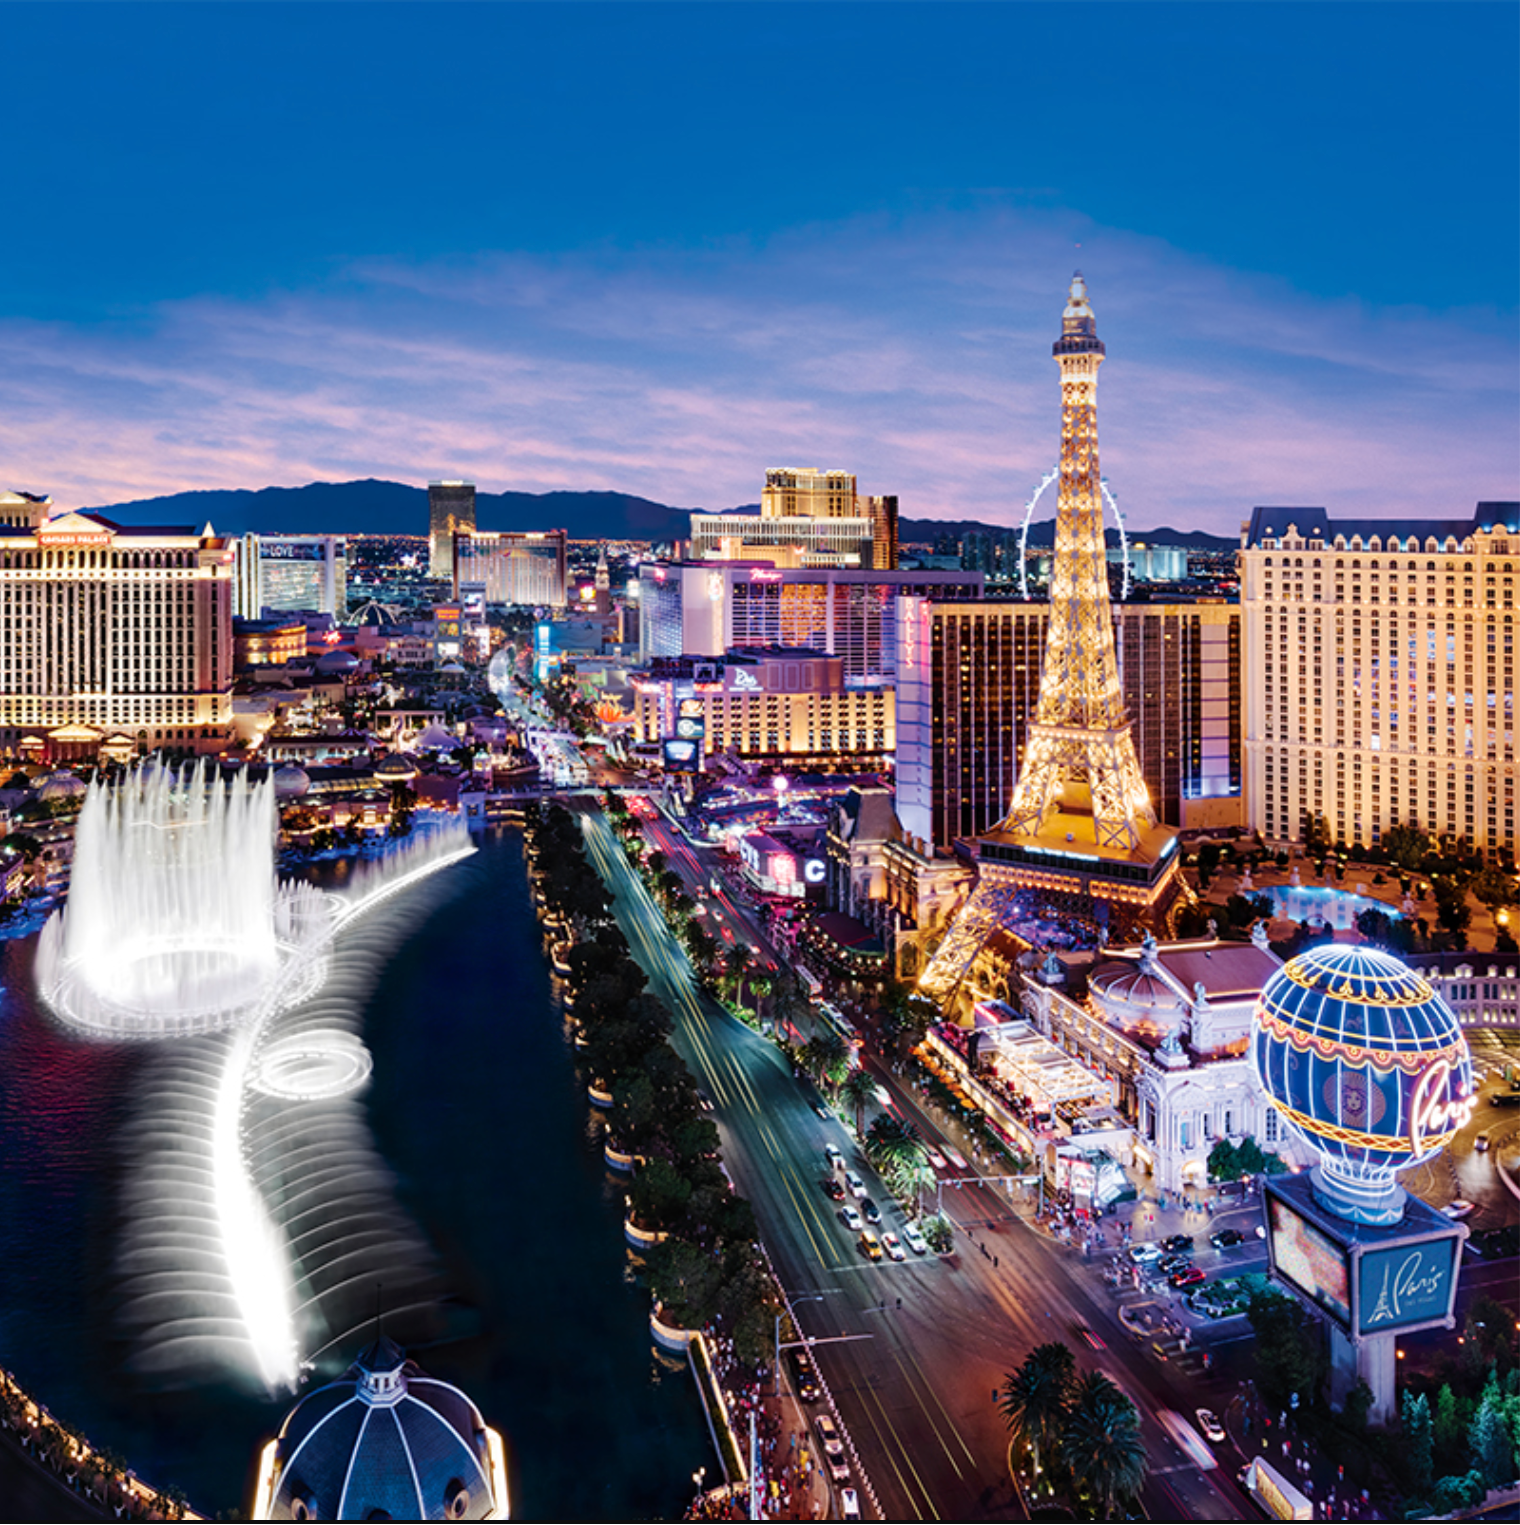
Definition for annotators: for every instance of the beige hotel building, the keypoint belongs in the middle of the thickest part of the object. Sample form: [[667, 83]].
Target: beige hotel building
[[1380, 662], [113, 638]]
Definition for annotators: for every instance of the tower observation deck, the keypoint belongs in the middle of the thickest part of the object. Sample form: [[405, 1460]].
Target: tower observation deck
[[1080, 831]]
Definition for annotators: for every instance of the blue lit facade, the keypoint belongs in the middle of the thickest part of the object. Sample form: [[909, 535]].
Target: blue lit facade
[[1367, 1065]]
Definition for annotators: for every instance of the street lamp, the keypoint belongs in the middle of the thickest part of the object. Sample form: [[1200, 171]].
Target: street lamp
[[806, 1297]]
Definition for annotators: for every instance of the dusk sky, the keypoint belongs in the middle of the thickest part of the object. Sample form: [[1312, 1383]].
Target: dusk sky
[[658, 248]]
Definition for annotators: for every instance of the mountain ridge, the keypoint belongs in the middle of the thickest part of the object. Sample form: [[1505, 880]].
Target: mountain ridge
[[372, 506]]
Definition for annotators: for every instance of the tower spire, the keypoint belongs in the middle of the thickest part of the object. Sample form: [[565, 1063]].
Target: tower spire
[[1080, 835], [1080, 752]]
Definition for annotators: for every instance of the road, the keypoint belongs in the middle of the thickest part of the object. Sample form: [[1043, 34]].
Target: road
[[915, 1397]]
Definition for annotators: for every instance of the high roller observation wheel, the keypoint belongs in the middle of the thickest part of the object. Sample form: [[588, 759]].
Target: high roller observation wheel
[[1113, 505]]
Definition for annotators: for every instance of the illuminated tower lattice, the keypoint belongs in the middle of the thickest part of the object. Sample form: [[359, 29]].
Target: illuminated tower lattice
[[1080, 835], [1081, 735]]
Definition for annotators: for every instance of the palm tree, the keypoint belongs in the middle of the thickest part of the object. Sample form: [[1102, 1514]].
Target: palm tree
[[741, 959], [760, 987], [1034, 1399], [1101, 1445], [826, 1057], [895, 1149], [857, 1089]]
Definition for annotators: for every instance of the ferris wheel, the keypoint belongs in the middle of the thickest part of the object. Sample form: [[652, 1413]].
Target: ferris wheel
[[1113, 506]]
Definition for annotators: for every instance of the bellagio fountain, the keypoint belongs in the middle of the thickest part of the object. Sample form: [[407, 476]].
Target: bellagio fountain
[[254, 1195]]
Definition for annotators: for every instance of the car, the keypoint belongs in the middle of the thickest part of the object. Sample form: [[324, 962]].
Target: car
[[914, 1240], [1188, 1276], [1176, 1242], [839, 1467], [956, 1158], [1482, 1141], [1090, 1338], [832, 1189], [1171, 1263], [1210, 1426], [828, 1435], [849, 1504], [1458, 1209], [870, 1244], [856, 1185], [893, 1246], [704, 1100], [835, 1158], [870, 1210], [804, 1375], [936, 1159], [850, 1218], [1144, 1254], [1226, 1238]]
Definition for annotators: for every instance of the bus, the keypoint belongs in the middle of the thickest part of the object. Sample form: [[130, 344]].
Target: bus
[[1275, 1494]]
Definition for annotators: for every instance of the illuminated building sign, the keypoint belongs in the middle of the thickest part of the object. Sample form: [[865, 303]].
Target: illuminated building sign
[[1371, 1279], [815, 871], [1405, 1284], [73, 537], [763, 574]]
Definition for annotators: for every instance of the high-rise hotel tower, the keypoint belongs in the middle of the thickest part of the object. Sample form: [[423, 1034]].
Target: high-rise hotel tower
[[113, 637], [1381, 674]]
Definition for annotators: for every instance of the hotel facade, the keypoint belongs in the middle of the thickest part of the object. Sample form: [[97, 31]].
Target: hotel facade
[[113, 638], [968, 682], [1381, 682]]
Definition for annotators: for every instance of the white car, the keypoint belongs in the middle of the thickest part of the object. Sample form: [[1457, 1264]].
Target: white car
[[936, 1159], [914, 1240], [828, 1435], [1210, 1426], [1143, 1254], [849, 1215], [836, 1159], [956, 1158], [849, 1504], [857, 1187], [893, 1246]]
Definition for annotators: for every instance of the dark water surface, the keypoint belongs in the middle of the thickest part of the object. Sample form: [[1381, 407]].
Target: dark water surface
[[476, 1108]]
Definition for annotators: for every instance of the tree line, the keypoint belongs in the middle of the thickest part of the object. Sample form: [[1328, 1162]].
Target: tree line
[[708, 1268]]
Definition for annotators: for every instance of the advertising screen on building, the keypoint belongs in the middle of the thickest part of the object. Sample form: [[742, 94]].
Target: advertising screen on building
[[292, 550], [1311, 1261], [1405, 1284]]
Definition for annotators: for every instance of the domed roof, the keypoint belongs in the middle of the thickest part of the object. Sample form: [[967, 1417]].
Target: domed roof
[[453, 667], [62, 785], [1367, 1065], [394, 768], [291, 782], [1135, 985], [334, 662], [386, 1442]]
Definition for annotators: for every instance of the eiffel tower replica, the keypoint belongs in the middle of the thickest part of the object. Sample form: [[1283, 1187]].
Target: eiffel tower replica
[[1080, 833]]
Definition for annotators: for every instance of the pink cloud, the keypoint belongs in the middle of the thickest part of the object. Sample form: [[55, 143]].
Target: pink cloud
[[913, 351]]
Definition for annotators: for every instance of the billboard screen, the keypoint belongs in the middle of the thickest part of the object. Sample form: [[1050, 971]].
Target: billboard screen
[[1405, 1284], [683, 756], [1310, 1260]]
